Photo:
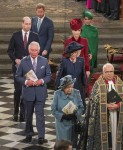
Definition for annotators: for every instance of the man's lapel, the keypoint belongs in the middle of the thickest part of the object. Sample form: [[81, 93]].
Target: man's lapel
[[21, 39], [38, 64], [29, 62], [29, 38], [36, 21]]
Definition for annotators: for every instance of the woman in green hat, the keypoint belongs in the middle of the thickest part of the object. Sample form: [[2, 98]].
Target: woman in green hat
[[90, 32]]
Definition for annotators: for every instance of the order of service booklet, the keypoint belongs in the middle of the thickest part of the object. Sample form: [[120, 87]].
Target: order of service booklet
[[30, 75], [69, 108]]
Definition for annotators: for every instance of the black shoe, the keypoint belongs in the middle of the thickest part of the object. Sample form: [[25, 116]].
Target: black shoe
[[110, 17], [42, 141], [115, 18], [15, 118], [28, 139], [106, 15]]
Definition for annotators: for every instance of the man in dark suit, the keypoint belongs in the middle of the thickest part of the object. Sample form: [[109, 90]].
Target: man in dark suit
[[45, 29], [18, 48], [34, 91]]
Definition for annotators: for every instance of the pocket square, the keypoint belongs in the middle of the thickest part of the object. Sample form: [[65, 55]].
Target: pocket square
[[42, 67]]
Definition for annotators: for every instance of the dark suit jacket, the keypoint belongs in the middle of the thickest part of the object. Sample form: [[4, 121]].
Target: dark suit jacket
[[46, 32], [16, 48], [43, 72]]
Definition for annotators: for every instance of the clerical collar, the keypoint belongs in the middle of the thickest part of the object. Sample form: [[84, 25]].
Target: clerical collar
[[106, 81]]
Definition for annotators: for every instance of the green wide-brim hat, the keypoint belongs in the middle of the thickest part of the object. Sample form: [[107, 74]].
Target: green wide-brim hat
[[88, 14]]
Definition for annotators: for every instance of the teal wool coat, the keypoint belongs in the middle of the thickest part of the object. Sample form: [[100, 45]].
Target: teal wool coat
[[64, 128]]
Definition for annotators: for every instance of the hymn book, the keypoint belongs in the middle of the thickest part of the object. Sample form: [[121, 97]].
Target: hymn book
[[30, 75], [113, 97]]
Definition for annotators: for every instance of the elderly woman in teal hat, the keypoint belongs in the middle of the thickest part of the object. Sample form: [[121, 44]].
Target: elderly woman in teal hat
[[66, 107], [90, 32]]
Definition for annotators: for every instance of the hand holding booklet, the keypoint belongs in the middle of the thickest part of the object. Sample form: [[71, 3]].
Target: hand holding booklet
[[69, 108], [30, 75]]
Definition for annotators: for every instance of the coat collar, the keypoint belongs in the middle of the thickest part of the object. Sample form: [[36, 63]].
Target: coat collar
[[106, 81], [64, 96], [79, 39]]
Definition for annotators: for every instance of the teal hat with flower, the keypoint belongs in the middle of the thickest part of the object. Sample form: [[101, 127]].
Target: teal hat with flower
[[88, 14], [66, 80]]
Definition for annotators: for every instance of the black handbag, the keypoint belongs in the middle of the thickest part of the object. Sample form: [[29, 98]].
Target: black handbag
[[79, 127]]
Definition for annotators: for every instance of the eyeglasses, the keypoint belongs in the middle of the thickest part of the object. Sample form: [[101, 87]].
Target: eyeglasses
[[109, 71]]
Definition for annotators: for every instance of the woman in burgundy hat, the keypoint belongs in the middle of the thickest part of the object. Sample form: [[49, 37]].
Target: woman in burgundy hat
[[76, 25]]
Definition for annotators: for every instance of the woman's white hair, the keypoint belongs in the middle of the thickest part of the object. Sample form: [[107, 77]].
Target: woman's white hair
[[108, 64]]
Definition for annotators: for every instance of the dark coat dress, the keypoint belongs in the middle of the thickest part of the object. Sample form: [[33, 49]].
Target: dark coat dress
[[77, 70], [84, 50]]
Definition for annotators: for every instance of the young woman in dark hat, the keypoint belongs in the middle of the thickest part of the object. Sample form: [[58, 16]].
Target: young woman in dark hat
[[74, 66], [76, 25], [66, 107]]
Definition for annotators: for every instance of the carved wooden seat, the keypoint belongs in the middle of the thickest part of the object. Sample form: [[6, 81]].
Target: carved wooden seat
[[115, 56]]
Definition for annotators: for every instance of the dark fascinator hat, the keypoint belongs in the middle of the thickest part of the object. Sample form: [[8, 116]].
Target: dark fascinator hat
[[66, 81], [72, 47], [76, 24], [88, 14]]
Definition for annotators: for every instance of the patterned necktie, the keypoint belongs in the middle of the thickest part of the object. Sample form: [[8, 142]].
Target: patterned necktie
[[34, 65], [39, 24], [25, 40]]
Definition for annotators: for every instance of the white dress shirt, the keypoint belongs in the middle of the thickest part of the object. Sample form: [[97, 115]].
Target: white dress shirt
[[27, 34]]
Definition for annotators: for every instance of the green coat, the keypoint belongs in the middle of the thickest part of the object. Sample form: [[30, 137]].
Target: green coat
[[91, 33]]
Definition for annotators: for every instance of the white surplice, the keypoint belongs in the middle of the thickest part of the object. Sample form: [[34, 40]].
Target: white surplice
[[113, 116]]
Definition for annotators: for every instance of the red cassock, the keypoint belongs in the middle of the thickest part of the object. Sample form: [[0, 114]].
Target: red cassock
[[84, 51]]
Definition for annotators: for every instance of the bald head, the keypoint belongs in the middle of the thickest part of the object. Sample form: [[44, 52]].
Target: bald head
[[26, 24]]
